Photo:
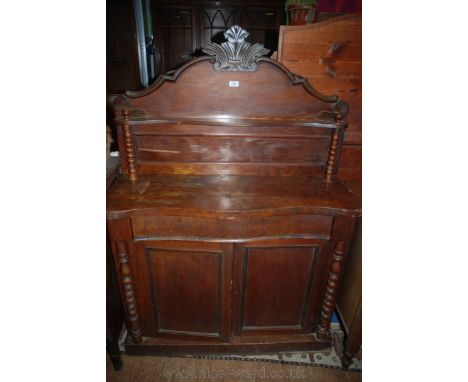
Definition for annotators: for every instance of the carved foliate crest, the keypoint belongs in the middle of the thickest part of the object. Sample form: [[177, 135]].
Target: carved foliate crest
[[235, 55]]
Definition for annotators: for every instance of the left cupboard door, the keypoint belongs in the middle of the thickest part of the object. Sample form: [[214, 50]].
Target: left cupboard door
[[183, 289]]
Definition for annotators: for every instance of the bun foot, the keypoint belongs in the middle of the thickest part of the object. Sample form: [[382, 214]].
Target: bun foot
[[117, 363]]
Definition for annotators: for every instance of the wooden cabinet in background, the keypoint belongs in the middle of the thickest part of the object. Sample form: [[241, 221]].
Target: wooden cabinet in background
[[214, 20], [175, 34], [328, 54], [183, 27], [122, 68], [349, 305]]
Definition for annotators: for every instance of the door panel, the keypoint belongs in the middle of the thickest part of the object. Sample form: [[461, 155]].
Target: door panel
[[182, 29], [275, 286], [189, 288], [175, 35], [215, 21], [284, 303], [263, 24], [121, 48], [185, 290]]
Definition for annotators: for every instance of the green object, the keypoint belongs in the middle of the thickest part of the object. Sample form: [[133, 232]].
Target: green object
[[289, 2]]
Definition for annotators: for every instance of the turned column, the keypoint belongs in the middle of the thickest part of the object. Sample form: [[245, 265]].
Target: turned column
[[331, 155], [329, 301], [129, 145], [128, 293]]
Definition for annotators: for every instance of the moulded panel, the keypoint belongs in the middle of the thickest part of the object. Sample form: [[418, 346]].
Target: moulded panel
[[232, 149], [276, 286], [186, 291]]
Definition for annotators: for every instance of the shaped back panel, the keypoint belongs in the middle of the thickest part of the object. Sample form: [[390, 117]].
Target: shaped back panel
[[233, 112], [202, 92]]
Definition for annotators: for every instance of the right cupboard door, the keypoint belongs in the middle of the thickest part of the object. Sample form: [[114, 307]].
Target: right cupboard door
[[277, 286]]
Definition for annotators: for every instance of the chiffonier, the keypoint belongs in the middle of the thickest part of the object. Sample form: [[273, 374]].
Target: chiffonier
[[229, 228]]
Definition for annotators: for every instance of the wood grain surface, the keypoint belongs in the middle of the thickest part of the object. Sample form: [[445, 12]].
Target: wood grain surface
[[328, 54], [229, 225]]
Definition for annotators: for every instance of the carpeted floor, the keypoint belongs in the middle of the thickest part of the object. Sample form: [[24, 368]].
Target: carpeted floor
[[330, 358], [296, 366], [152, 369]]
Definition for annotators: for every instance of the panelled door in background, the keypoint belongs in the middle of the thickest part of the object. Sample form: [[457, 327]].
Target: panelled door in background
[[184, 27]]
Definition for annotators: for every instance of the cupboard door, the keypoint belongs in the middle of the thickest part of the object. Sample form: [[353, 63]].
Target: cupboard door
[[122, 70], [263, 25], [176, 36], [214, 22], [277, 287], [189, 288]]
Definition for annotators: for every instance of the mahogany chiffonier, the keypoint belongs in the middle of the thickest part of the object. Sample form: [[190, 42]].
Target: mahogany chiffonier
[[229, 228]]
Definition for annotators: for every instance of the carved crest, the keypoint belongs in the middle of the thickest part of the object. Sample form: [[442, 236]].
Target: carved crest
[[235, 55]]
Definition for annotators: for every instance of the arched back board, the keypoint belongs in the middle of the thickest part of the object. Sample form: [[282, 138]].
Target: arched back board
[[232, 111]]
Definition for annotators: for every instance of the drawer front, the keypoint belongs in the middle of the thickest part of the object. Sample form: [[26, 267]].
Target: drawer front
[[153, 227]]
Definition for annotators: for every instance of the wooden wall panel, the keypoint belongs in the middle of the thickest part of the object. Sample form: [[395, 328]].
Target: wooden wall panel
[[328, 54]]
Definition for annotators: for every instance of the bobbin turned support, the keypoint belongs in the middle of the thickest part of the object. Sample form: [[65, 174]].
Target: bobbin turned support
[[329, 300], [332, 155], [129, 293], [129, 145]]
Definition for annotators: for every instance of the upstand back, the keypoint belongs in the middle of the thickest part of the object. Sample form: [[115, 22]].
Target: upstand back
[[229, 228]]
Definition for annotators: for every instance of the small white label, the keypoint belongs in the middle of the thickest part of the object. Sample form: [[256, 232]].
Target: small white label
[[233, 84]]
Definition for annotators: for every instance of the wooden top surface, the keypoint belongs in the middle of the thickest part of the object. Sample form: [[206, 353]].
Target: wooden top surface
[[229, 196], [324, 120]]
